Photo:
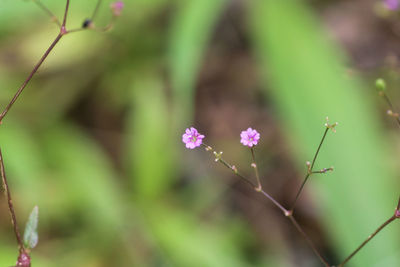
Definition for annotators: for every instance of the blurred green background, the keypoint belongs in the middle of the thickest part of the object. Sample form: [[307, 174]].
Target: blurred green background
[[95, 140]]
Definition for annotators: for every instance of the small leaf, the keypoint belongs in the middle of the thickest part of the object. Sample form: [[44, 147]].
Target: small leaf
[[31, 236]]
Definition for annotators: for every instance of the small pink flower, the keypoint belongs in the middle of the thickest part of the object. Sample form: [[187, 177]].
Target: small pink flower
[[392, 4], [192, 138], [117, 7], [249, 137]]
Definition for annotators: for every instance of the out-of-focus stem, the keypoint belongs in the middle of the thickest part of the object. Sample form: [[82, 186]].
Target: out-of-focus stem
[[389, 103], [96, 10], [27, 80], [10, 204], [48, 11]]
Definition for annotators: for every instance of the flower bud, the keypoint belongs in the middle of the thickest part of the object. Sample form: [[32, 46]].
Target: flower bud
[[380, 84], [116, 8]]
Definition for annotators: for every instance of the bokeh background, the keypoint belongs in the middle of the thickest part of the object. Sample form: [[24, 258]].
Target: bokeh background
[[95, 140]]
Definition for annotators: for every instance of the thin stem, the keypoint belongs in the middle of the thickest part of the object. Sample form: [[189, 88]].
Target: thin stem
[[10, 205], [65, 15], [96, 10], [391, 219], [229, 166], [33, 72], [389, 103], [226, 164], [398, 205], [48, 11], [276, 203], [254, 165], [108, 26], [309, 241], [310, 170]]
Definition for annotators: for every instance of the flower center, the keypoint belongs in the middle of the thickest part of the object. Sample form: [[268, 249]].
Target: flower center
[[194, 139]]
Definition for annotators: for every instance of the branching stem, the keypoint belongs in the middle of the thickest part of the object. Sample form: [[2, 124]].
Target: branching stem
[[386, 223], [287, 213], [310, 169]]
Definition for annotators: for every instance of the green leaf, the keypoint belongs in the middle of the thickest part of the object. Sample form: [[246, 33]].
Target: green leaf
[[31, 236], [151, 151], [190, 33]]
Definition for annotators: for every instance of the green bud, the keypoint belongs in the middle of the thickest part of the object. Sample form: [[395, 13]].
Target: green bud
[[380, 84]]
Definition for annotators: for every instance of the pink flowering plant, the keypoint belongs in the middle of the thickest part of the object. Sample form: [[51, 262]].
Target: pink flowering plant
[[251, 137]]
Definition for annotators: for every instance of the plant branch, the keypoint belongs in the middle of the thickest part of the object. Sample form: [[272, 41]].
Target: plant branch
[[391, 219], [65, 15], [308, 239], [287, 213], [310, 168], [389, 103], [33, 72], [10, 204]]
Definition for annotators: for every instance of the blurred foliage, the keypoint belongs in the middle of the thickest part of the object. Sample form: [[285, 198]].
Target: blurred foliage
[[94, 139]]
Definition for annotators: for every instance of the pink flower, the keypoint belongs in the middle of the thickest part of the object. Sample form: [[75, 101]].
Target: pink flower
[[249, 137], [192, 138], [117, 7], [392, 4]]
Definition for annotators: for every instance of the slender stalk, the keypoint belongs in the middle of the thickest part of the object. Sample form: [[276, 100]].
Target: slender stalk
[[389, 103], [310, 170], [229, 166], [10, 205], [65, 15], [33, 72], [276, 203], [96, 9], [254, 165], [391, 219], [309, 241], [48, 11]]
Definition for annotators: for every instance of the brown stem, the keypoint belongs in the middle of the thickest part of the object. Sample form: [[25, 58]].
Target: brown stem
[[309, 241], [65, 15], [10, 205], [391, 219], [398, 205], [33, 72], [275, 202], [309, 171]]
